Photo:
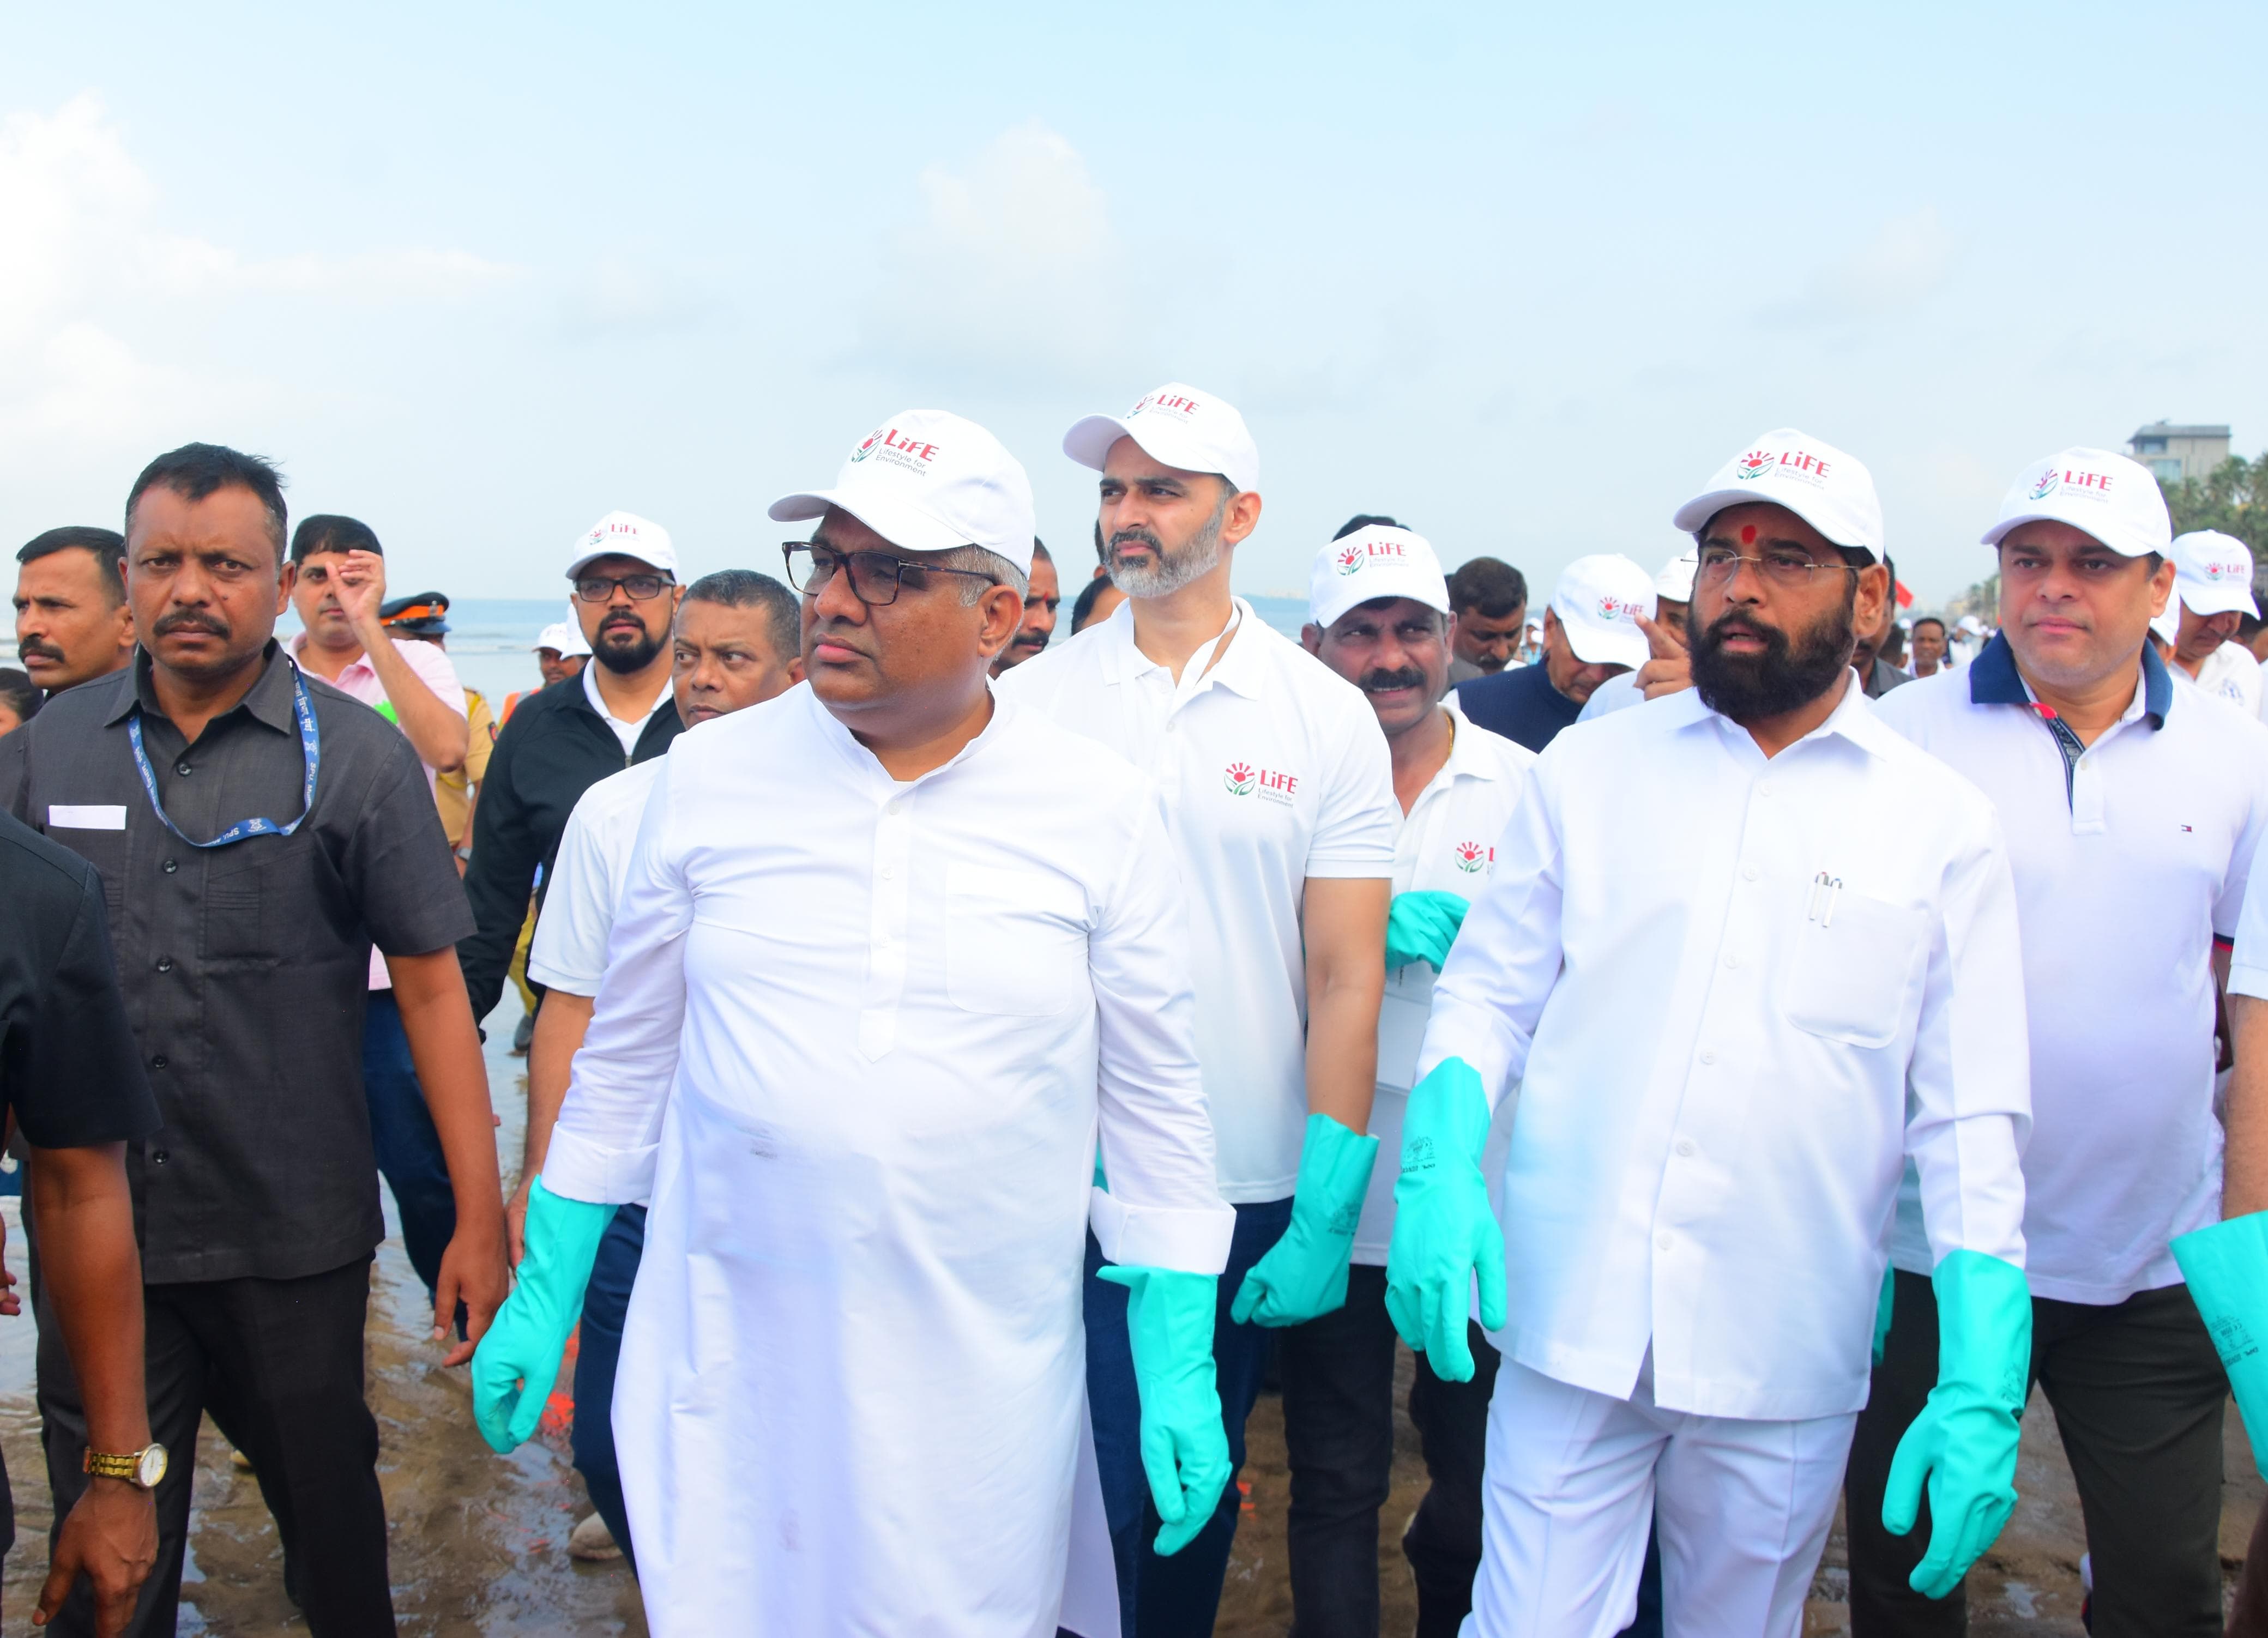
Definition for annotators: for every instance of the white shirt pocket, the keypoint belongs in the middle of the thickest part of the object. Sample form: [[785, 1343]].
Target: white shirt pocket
[[1855, 964], [1015, 941]]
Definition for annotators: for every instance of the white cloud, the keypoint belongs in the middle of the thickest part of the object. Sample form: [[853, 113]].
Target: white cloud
[[1013, 268], [1892, 274]]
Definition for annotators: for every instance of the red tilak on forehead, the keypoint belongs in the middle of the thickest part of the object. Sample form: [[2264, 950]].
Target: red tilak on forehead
[[1748, 534]]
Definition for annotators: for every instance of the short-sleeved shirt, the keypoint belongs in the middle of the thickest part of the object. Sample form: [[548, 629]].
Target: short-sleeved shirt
[[2131, 857], [1521, 705], [244, 967], [68, 1067], [2230, 672], [1272, 770], [569, 951]]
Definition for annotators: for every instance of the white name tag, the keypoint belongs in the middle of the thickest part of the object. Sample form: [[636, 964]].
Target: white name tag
[[99, 817]]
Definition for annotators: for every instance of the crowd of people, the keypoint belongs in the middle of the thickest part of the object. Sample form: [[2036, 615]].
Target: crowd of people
[[1742, 1041]]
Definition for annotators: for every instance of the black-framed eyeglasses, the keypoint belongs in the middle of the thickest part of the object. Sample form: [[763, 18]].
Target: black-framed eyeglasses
[[600, 588], [1785, 566], [875, 576]]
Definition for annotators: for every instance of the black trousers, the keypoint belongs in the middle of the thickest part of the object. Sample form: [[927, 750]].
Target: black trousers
[[2139, 1393], [279, 1365], [1338, 1433]]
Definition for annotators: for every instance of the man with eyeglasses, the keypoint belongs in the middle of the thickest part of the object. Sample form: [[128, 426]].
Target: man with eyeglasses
[[560, 742], [1744, 953], [1278, 789], [890, 953], [2133, 806]]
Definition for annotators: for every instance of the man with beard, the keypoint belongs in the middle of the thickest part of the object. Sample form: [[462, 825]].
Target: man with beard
[[1590, 634], [570, 735], [72, 623], [1384, 624], [1039, 606], [1745, 953], [1279, 796], [2132, 804]]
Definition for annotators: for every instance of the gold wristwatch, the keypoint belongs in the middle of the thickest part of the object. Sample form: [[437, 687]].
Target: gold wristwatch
[[142, 1468]]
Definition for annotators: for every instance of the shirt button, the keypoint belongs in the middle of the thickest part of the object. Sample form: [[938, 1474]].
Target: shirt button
[[889, 872], [183, 769], [1685, 1148], [1708, 1057], [164, 963], [1750, 872], [157, 1157], [1732, 960], [158, 1062], [169, 867], [1662, 1240]]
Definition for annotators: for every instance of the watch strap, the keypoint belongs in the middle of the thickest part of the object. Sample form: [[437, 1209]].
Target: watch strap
[[104, 1464]]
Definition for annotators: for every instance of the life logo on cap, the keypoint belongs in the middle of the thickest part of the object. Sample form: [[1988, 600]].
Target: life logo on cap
[[1471, 856], [1613, 608], [2073, 480], [1181, 407], [1349, 560], [2217, 569], [1755, 463], [1241, 779], [1789, 463], [905, 452], [1357, 556], [2046, 486]]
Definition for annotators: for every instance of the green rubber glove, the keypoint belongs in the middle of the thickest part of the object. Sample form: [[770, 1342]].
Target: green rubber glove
[[1444, 1231], [1964, 1441], [1421, 926], [1169, 1319], [1882, 1305], [1304, 1276], [2227, 1268], [529, 1333]]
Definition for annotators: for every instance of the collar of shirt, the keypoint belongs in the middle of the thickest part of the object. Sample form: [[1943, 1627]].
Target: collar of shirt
[[1851, 720], [1466, 758], [267, 700], [357, 676], [867, 767], [1993, 679], [1124, 662], [599, 704]]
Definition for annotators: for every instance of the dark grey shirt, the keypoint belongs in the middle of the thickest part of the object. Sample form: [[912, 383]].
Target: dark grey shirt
[[245, 968]]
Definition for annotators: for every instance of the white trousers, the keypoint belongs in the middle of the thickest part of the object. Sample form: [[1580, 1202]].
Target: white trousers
[[1742, 1509]]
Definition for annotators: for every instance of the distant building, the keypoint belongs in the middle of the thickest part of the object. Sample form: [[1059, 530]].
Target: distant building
[[2176, 452]]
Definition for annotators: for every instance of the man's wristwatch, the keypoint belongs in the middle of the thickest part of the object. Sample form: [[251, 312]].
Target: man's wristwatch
[[142, 1468]]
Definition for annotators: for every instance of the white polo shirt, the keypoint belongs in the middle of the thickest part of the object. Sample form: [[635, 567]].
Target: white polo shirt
[[1271, 769], [569, 950], [2230, 672], [1446, 844], [2126, 869]]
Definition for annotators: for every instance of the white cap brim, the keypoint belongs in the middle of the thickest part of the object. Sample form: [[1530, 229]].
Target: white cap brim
[[1090, 439], [1605, 644], [2118, 541], [902, 526], [1694, 516], [575, 569]]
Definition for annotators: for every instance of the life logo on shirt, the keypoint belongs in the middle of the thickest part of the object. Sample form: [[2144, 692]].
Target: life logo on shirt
[[1242, 779], [897, 451], [1472, 858]]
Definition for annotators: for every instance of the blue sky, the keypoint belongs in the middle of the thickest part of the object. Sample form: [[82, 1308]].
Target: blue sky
[[1521, 277]]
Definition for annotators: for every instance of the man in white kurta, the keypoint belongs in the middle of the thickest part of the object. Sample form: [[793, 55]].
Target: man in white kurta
[[860, 1022], [1745, 952]]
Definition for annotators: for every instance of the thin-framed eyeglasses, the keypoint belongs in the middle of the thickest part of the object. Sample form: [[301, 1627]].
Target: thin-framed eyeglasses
[[1782, 566], [641, 588], [875, 576]]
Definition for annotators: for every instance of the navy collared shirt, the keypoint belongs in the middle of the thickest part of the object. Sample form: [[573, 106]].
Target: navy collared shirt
[[1993, 679]]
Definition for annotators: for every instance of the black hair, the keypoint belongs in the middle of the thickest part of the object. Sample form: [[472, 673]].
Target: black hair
[[195, 470], [1040, 549], [1927, 620], [19, 692], [1101, 552], [107, 545], [745, 588], [1082, 606], [1364, 520], [1488, 585], [324, 531]]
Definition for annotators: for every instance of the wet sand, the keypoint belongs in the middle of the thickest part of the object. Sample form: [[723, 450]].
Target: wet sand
[[479, 1542]]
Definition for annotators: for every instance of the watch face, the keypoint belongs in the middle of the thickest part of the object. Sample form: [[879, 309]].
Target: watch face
[[151, 1467]]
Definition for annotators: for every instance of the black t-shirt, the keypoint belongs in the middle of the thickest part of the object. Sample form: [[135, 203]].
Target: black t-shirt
[[1519, 703], [68, 1063]]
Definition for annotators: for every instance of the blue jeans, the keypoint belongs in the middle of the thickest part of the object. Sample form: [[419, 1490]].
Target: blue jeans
[[1173, 1598], [409, 1156], [606, 1300]]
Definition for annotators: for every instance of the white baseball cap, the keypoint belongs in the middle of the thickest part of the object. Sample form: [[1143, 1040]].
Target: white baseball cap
[[565, 636], [623, 534], [1970, 625], [2212, 574], [927, 481], [1178, 425], [2106, 496], [1829, 490], [1375, 561], [1676, 580], [1598, 601]]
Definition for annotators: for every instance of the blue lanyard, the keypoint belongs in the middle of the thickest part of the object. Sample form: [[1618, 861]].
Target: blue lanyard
[[311, 749]]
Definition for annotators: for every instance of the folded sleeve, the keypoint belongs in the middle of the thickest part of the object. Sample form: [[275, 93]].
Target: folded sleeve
[[609, 1128], [1968, 1082], [1163, 1208], [1507, 956]]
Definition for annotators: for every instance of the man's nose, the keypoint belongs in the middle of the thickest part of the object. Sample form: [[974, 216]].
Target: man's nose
[[835, 600]]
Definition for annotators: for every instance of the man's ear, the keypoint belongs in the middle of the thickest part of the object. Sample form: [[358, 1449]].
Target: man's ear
[[1311, 637], [1003, 614], [1243, 518], [287, 577]]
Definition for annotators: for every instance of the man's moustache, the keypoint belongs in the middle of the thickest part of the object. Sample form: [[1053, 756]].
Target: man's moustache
[[206, 623], [1380, 681], [33, 646]]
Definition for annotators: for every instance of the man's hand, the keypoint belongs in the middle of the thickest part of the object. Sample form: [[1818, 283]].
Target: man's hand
[[1670, 668], [515, 1222], [358, 582], [473, 1272], [10, 1303], [111, 1538]]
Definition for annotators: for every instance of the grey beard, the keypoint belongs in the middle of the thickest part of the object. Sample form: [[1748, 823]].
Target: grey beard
[[1171, 573]]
